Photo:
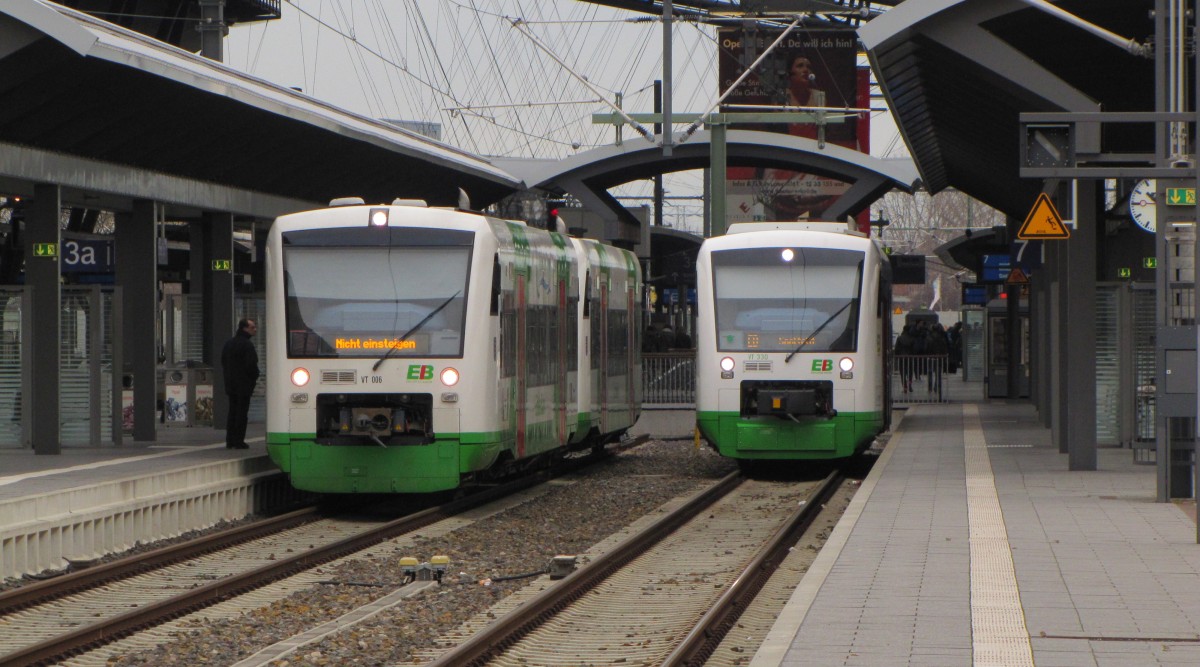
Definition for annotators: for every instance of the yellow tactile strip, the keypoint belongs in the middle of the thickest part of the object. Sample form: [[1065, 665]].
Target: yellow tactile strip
[[998, 633]]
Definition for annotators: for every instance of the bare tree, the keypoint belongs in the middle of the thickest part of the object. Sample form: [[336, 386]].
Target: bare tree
[[919, 224]]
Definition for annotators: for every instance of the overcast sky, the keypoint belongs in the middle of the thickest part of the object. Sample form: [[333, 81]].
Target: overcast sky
[[501, 77]]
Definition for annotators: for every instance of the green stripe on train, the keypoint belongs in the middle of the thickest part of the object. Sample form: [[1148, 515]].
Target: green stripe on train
[[774, 438], [372, 469]]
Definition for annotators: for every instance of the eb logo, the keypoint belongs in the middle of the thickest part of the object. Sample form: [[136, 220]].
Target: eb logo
[[822, 365], [419, 372]]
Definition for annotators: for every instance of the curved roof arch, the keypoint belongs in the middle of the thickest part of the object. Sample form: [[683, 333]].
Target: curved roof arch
[[588, 175]]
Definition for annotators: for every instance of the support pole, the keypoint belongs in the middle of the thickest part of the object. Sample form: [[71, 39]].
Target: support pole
[[212, 29], [218, 303], [658, 178], [716, 194], [43, 249], [137, 275], [666, 133], [1079, 333]]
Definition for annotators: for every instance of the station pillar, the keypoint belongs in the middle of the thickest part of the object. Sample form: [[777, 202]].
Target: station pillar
[[218, 303], [137, 276], [43, 243]]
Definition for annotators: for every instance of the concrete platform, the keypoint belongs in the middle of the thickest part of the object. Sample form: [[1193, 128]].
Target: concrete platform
[[87, 502], [972, 544]]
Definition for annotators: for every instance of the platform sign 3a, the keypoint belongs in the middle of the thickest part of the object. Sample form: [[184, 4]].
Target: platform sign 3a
[[1043, 222]]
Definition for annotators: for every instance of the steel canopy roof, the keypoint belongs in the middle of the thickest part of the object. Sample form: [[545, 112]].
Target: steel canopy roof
[[77, 86], [958, 73]]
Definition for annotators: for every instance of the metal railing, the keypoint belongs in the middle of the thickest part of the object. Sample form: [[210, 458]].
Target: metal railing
[[669, 379], [919, 378]]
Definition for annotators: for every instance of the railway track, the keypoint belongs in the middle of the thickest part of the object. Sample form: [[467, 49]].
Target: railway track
[[49, 621], [665, 595]]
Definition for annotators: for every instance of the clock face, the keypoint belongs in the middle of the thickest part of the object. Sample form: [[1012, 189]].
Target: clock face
[[1142, 206]]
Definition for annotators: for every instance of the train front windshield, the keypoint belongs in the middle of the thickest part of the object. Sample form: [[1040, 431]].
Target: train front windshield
[[787, 299], [373, 300]]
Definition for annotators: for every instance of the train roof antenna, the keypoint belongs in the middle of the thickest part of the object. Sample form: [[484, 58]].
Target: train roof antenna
[[464, 200]]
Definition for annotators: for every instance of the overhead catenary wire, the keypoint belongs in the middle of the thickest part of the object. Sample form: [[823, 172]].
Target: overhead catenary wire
[[417, 60], [519, 25], [700, 121]]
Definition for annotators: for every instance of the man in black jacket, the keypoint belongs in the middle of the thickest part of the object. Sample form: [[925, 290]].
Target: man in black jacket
[[239, 363]]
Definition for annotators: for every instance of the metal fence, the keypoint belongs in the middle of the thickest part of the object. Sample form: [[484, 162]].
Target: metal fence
[[919, 378], [669, 379], [89, 394]]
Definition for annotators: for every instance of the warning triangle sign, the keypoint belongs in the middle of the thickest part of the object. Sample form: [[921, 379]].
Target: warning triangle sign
[[1017, 277], [1043, 222]]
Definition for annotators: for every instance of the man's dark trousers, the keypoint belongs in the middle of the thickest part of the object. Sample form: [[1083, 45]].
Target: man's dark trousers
[[235, 426]]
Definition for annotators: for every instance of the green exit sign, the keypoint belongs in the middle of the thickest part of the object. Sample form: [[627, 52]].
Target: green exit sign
[[1124, 272], [1149, 262], [222, 265], [1181, 196], [45, 250]]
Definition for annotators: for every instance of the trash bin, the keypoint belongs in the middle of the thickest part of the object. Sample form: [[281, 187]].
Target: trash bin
[[187, 396]]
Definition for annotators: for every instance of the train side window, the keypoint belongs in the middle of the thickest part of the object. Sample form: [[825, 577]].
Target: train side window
[[495, 307]]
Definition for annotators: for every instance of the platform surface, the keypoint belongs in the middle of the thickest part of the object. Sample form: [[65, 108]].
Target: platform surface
[[24, 473], [971, 543]]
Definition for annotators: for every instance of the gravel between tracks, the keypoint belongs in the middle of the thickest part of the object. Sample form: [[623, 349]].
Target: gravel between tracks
[[520, 540]]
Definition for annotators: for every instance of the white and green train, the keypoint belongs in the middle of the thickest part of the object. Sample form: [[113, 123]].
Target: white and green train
[[793, 341], [416, 349]]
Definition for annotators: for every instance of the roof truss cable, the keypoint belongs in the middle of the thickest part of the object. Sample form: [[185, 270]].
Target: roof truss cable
[[1129, 45], [521, 26]]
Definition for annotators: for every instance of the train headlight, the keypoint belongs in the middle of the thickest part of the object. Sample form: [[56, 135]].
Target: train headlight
[[727, 364], [846, 364], [379, 217], [449, 377], [788, 254], [300, 377]]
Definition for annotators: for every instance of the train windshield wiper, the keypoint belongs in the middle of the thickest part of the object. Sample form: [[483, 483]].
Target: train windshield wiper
[[418, 325], [804, 340]]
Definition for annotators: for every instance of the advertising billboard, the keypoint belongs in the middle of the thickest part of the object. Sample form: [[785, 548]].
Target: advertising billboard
[[808, 69]]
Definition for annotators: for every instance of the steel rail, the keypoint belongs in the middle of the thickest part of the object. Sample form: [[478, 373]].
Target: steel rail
[[81, 580], [111, 629], [495, 638], [707, 634]]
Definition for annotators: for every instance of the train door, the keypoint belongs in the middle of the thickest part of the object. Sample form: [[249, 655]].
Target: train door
[[522, 367], [560, 378], [604, 397], [630, 355], [884, 317]]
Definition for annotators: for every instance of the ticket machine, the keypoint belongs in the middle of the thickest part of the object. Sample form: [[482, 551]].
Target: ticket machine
[[996, 349]]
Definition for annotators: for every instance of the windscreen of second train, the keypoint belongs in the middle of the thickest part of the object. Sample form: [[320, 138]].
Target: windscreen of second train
[[787, 299], [362, 300]]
